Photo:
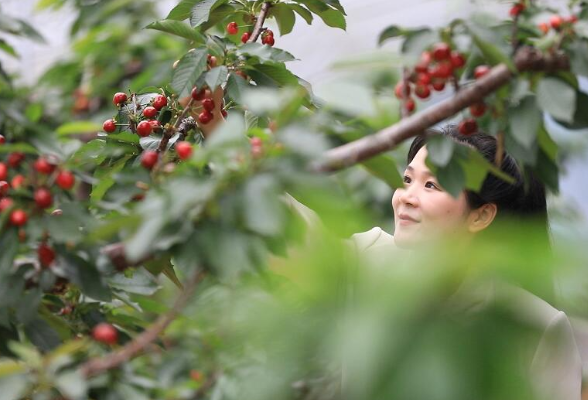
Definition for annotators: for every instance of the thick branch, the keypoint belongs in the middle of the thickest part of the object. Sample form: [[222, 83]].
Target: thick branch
[[259, 22], [97, 366], [526, 59]]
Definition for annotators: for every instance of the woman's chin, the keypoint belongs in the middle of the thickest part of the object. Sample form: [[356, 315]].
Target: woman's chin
[[406, 238]]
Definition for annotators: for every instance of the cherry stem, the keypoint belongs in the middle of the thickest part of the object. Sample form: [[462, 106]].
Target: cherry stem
[[259, 22]]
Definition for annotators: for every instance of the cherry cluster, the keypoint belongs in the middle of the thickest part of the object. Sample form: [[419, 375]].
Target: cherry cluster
[[27, 187], [144, 123], [267, 37], [558, 23], [433, 70]]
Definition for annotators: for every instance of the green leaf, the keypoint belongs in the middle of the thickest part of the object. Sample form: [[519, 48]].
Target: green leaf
[[579, 57], [391, 32], [201, 11], [452, 177], [557, 99], [273, 74], [72, 384], [140, 282], [78, 128], [9, 246], [34, 112], [216, 77], [8, 48], [384, 168], [42, 335], [182, 10], [525, 120], [86, 277], [418, 40], [440, 150], [330, 16], [493, 54], [236, 86], [265, 53], [179, 29], [263, 209], [285, 17], [337, 95], [303, 12], [14, 386], [189, 69], [20, 147], [105, 178]]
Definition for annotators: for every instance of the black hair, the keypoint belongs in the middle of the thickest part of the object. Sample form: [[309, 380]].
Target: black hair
[[525, 198]]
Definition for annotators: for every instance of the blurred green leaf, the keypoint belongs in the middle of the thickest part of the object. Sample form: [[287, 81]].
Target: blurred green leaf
[[177, 28], [284, 15], [78, 128], [557, 99], [13, 386], [525, 121]]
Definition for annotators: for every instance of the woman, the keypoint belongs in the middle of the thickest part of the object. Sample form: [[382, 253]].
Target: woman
[[424, 211]]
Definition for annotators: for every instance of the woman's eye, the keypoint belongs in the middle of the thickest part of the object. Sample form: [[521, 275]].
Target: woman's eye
[[431, 185], [406, 179]]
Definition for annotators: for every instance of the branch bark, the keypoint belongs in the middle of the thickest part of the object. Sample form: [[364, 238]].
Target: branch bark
[[97, 366], [259, 22], [526, 59]]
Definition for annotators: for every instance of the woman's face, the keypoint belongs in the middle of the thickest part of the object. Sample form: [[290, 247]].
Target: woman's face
[[423, 211]]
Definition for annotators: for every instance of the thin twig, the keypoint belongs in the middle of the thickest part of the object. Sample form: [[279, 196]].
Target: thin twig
[[259, 22], [132, 349], [171, 130]]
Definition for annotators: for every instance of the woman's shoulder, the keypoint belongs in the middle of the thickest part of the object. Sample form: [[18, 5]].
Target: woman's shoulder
[[375, 237]]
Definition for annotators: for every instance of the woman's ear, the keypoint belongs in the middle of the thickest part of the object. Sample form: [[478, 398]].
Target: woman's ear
[[480, 218]]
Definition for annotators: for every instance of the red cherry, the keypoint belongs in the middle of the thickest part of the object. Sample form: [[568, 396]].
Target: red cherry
[[409, 105], [105, 333], [401, 91], [159, 101], [457, 59], [119, 98], [43, 198], [516, 10], [149, 112], [14, 159], [18, 217], [467, 126], [480, 71], [256, 147], [109, 126], [422, 91], [478, 109], [556, 21], [572, 19], [149, 159], [208, 104], [46, 255], [423, 79], [155, 124], [184, 150], [241, 73], [17, 181], [232, 28], [3, 171], [269, 40], [65, 179], [205, 117], [201, 94], [4, 187], [245, 37], [2, 139], [442, 70], [543, 27], [438, 85], [211, 61], [144, 128], [43, 166], [441, 51], [268, 32], [5, 203]]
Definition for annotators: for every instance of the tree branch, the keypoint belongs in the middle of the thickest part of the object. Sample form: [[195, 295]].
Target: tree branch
[[97, 366], [526, 59], [259, 22]]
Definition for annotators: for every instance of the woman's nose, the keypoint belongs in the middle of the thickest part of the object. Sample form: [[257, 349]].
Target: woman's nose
[[409, 196]]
